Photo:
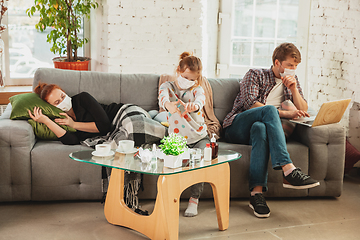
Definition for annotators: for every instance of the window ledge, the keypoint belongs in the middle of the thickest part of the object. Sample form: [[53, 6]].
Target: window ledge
[[9, 91]]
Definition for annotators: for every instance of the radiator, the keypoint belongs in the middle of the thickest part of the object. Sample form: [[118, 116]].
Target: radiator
[[2, 109]]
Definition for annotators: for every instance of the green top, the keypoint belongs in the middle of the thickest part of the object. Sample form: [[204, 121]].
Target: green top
[[130, 163]]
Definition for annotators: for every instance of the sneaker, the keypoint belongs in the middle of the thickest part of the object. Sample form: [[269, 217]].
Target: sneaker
[[299, 180], [258, 204], [142, 212]]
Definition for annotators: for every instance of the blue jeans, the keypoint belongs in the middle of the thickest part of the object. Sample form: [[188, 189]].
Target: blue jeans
[[261, 128]]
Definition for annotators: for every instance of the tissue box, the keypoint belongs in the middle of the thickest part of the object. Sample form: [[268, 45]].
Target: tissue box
[[172, 161]]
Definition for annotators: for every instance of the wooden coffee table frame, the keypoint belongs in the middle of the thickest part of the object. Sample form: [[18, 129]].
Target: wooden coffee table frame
[[163, 223]]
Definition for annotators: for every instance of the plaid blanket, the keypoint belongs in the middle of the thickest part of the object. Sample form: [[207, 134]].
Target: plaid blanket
[[131, 122]]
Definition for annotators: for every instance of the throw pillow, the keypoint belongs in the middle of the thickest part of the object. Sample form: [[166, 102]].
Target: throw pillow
[[43, 132], [352, 156], [21, 103]]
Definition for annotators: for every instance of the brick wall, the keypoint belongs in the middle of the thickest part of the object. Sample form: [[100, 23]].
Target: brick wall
[[333, 58], [147, 36]]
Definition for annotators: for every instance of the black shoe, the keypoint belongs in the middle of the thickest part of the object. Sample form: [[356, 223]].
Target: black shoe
[[142, 212], [299, 180], [258, 204]]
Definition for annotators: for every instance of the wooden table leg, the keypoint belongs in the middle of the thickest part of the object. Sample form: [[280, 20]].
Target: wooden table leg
[[170, 188], [117, 213], [221, 192], [169, 191], [163, 223]]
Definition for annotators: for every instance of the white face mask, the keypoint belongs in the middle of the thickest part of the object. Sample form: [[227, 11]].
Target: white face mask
[[65, 105], [184, 83], [288, 72]]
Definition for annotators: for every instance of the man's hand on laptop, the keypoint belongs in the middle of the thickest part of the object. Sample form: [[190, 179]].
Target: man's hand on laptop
[[293, 114]]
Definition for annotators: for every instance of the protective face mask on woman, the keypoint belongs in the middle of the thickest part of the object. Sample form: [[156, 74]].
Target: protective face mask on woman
[[184, 83], [65, 105], [288, 72]]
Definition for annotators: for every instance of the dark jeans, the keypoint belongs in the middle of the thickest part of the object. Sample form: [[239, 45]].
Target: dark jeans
[[261, 128]]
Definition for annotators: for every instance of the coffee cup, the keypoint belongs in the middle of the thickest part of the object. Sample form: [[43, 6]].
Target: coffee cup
[[126, 145], [103, 149]]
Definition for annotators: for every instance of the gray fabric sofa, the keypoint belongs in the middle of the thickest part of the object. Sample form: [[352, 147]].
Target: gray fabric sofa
[[42, 170]]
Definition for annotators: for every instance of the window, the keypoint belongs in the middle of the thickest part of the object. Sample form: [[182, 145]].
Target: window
[[26, 49], [251, 29]]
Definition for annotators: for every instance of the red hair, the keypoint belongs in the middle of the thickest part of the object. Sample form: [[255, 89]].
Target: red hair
[[44, 90], [187, 60]]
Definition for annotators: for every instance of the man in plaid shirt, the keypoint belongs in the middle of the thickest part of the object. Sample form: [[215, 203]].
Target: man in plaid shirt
[[255, 120]]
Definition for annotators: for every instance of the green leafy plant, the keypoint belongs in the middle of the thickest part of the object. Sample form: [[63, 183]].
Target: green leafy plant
[[173, 144], [65, 18]]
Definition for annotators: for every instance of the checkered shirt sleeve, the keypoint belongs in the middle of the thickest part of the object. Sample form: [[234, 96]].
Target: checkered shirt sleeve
[[255, 87]]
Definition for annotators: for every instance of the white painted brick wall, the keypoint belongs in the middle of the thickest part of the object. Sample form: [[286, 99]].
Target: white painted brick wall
[[147, 36], [334, 66]]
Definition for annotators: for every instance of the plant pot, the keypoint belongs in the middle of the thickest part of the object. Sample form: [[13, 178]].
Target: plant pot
[[172, 161], [81, 65]]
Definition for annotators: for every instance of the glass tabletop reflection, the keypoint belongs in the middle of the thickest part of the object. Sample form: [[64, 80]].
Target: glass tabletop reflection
[[131, 162]]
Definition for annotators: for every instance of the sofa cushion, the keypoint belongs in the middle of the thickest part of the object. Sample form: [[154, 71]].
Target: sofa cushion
[[224, 94], [55, 176]]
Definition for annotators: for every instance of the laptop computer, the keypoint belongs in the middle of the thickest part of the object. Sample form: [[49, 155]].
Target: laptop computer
[[330, 112]]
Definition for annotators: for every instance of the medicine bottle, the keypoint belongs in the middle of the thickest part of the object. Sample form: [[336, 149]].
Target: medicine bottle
[[214, 147], [207, 152]]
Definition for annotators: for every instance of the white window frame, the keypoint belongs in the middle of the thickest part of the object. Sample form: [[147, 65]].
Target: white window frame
[[224, 67], [11, 81]]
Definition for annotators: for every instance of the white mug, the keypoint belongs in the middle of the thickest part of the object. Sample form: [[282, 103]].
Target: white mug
[[103, 149], [126, 145]]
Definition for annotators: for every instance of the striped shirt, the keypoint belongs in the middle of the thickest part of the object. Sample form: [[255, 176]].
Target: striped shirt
[[255, 87]]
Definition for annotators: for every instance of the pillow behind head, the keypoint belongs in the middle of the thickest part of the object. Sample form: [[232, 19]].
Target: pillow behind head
[[43, 132], [21, 103]]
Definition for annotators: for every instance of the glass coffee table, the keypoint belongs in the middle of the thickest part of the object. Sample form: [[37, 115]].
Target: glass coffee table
[[163, 222]]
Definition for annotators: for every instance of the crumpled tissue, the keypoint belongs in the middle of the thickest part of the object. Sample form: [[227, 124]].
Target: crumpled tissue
[[145, 155]]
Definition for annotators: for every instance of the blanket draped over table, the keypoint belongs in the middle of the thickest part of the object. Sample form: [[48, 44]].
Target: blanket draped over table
[[131, 122]]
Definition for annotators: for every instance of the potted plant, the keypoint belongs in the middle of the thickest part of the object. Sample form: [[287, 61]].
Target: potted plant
[[174, 149], [65, 18]]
